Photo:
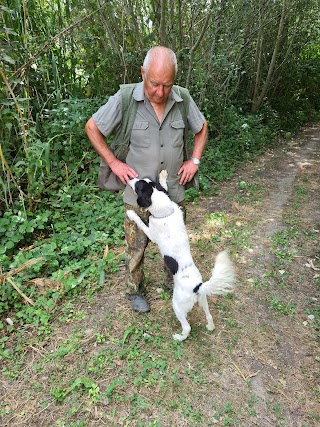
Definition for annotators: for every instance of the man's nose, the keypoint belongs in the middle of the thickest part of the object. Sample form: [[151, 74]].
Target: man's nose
[[160, 90]]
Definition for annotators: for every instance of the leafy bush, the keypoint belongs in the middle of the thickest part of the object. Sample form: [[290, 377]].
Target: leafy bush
[[17, 229], [57, 152], [71, 236], [240, 138]]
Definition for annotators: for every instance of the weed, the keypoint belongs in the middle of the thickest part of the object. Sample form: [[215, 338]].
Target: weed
[[60, 393], [283, 255], [216, 218], [66, 239], [314, 311], [188, 411], [257, 283], [78, 423], [285, 237], [249, 192], [282, 307], [101, 361], [226, 415], [277, 410]]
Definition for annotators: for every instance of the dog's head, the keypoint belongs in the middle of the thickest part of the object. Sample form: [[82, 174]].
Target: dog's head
[[147, 191]]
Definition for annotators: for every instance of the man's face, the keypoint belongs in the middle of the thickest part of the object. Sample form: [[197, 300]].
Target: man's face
[[158, 82]]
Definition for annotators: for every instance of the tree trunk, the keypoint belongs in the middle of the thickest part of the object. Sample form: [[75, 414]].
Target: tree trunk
[[137, 31], [162, 26], [197, 42], [109, 31], [258, 99], [257, 66]]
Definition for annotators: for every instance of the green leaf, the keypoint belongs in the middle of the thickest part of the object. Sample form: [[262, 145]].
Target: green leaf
[[8, 59], [10, 244], [127, 333]]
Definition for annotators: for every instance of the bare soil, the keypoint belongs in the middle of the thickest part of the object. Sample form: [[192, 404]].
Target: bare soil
[[260, 367]]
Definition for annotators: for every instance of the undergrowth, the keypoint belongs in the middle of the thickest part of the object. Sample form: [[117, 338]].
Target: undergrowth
[[70, 237]]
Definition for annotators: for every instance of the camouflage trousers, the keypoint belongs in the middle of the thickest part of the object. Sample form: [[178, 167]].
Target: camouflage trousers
[[137, 243]]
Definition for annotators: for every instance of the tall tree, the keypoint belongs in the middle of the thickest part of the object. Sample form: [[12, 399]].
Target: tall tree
[[261, 87]]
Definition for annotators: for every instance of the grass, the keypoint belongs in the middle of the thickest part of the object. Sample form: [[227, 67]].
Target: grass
[[87, 360]]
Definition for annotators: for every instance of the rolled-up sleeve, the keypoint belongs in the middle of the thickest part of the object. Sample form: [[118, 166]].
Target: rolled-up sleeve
[[109, 116], [195, 117]]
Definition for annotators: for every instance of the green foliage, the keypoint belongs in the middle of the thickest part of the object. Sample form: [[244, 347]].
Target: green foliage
[[71, 236], [87, 384], [58, 153], [241, 138], [281, 306], [19, 228]]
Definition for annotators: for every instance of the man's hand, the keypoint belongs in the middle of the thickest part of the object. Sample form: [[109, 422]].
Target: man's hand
[[123, 171], [187, 171]]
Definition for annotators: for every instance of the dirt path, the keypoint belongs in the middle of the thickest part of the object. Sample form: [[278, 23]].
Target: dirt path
[[261, 365], [278, 350]]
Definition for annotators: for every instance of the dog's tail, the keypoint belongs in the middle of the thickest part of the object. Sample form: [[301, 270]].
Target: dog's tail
[[223, 277]]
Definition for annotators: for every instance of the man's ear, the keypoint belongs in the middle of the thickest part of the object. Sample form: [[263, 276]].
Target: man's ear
[[142, 72]]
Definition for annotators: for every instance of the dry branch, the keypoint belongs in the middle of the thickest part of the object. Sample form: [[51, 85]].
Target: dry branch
[[22, 267], [16, 287], [13, 272]]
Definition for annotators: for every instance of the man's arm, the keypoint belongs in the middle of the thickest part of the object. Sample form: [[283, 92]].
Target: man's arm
[[188, 168], [122, 170]]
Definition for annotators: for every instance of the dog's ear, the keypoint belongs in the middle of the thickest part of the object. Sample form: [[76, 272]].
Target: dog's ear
[[159, 187]]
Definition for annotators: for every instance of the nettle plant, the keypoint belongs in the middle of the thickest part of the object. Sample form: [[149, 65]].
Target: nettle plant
[[70, 238]]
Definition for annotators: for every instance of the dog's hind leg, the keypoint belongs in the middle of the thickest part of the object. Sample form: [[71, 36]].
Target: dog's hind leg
[[203, 302], [186, 328]]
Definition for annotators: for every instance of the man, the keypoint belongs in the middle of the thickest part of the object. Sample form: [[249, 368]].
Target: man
[[156, 143]]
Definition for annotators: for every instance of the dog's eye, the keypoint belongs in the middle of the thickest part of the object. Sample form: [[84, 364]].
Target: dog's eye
[[139, 185]]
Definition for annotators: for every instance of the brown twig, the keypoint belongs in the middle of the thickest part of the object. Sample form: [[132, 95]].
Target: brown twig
[[240, 372], [310, 261], [22, 267], [24, 296]]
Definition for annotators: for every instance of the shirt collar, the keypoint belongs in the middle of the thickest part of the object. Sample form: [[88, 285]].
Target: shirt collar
[[138, 93]]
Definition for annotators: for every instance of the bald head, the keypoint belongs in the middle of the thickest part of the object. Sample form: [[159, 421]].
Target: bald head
[[161, 56]]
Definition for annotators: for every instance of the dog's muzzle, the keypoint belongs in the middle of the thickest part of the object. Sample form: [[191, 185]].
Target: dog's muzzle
[[132, 183]]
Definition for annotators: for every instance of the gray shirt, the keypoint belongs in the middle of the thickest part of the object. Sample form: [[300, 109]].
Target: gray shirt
[[153, 145]]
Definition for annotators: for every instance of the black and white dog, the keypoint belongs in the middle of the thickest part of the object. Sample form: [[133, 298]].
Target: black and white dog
[[167, 229]]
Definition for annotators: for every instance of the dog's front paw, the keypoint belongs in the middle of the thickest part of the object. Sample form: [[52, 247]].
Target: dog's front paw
[[163, 175], [131, 214]]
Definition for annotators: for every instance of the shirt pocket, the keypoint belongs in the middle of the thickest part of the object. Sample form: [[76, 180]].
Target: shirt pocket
[[177, 131], [140, 134]]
